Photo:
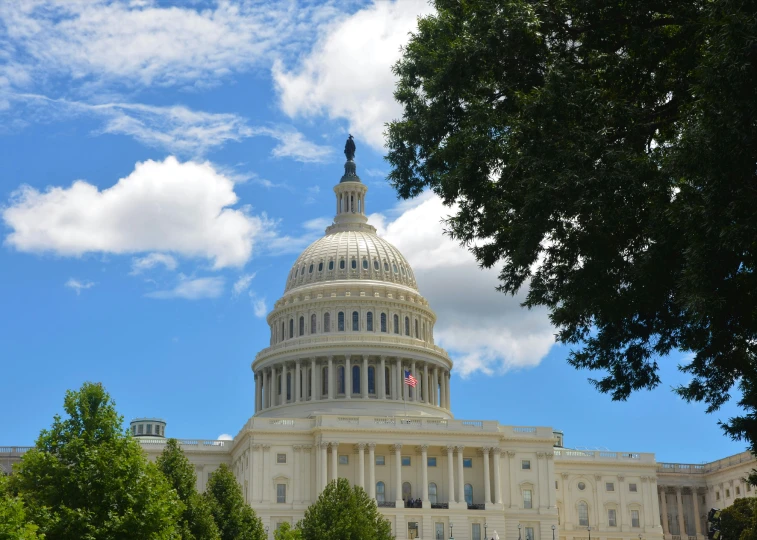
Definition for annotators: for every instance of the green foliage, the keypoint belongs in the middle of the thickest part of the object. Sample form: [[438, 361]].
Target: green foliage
[[603, 156], [286, 532], [343, 512], [87, 479], [14, 524], [233, 517], [739, 521], [196, 522]]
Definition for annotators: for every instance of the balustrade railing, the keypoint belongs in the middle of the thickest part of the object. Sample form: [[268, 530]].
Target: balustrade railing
[[387, 504], [602, 455], [477, 506], [702, 468]]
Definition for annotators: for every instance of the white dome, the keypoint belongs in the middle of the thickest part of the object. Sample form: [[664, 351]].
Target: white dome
[[350, 255]]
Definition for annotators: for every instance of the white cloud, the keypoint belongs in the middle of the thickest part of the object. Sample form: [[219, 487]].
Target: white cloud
[[292, 144], [242, 284], [79, 285], [484, 330], [162, 206], [225, 437], [96, 42], [347, 75], [192, 289], [150, 261], [259, 306]]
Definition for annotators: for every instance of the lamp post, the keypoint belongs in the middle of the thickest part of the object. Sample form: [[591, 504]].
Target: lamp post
[[486, 536], [553, 532], [519, 526], [266, 532], [450, 530]]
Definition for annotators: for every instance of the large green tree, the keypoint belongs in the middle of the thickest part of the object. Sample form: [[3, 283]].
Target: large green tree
[[235, 519], [196, 521], [739, 521], [602, 155], [344, 512], [88, 479], [14, 524]]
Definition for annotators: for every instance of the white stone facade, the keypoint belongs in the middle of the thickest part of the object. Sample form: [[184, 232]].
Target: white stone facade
[[331, 401]]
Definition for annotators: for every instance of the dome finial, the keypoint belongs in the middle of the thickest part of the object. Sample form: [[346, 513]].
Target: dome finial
[[349, 149]]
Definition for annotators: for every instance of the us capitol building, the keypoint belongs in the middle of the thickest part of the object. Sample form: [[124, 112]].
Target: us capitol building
[[330, 401]]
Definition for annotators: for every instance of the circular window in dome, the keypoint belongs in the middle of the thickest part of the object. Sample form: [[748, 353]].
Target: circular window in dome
[[375, 265], [341, 264], [581, 486], [320, 266], [365, 264], [394, 267], [386, 267], [354, 264]]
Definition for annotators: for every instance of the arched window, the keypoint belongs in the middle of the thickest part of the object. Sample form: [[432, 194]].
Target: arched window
[[312, 323], [468, 493], [387, 382], [331, 265], [355, 379], [324, 381], [310, 270], [407, 326], [340, 321], [302, 326], [417, 334], [340, 382], [375, 264], [341, 264], [583, 514], [371, 380], [383, 322], [291, 328], [354, 264], [327, 322], [320, 266], [380, 492], [386, 266], [407, 491], [289, 387], [432, 493], [365, 264], [369, 321], [355, 321], [396, 324], [394, 267]]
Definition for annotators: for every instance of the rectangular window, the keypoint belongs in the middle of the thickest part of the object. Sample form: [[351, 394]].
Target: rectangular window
[[139, 429], [727, 493], [525, 464], [527, 498], [476, 531], [556, 485], [281, 493], [281, 458], [632, 488], [412, 529], [609, 486], [611, 518], [738, 490], [468, 463], [529, 533], [344, 460], [748, 488], [405, 461], [380, 460], [133, 430], [634, 518], [149, 429], [717, 495], [432, 462]]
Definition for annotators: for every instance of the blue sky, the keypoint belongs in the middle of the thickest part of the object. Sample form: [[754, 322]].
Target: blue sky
[[162, 165]]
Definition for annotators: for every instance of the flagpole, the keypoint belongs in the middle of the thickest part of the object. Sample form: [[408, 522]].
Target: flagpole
[[404, 384]]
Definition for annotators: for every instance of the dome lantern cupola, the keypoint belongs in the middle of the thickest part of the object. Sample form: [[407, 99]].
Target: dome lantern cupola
[[350, 197]]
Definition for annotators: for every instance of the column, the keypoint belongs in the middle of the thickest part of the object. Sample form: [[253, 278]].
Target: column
[[284, 383], [681, 522], [405, 388], [550, 478], [263, 477], [305, 468], [297, 385], [324, 450], [382, 379], [330, 377], [448, 377], [364, 379], [334, 461], [275, 386], [487, 479], [296, 478], [697, 524], [314, 388], [427, 383], [513, 496], [400, 381], [398, 473], [254, 472], [257, 392], [622, 512], [361, 465], [417, 384], [435, 387], [460, 477], [424, 475], [497, 475], [451, 474], [372, 470], [347, 378], [663, 498], [443, 391]]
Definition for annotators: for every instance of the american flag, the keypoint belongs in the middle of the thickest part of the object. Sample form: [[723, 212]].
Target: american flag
[[410, 380]]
